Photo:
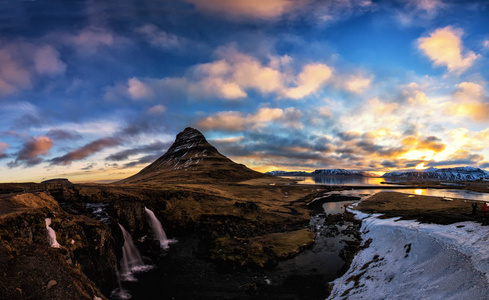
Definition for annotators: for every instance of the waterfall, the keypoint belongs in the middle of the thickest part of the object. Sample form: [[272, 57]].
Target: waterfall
[[51, 234], [131, 259], [158, 231], [120, 293]]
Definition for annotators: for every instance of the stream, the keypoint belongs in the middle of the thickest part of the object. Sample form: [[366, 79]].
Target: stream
[[182, 273]]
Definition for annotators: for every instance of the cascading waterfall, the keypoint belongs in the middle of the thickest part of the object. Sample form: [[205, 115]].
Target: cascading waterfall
[[158, 231], [51, 234], [120, 293], [132, 261]]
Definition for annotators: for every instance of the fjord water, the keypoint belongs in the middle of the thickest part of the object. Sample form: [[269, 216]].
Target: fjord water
[[339, 180], [446, 193]]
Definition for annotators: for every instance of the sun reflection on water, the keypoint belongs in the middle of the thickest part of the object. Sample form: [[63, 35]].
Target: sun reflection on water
[[418, 191]]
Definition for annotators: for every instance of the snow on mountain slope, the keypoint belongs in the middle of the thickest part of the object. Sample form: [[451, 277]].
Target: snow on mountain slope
[[409, 260], [324, 172], [451, 174], [341, 172], [192, 159]]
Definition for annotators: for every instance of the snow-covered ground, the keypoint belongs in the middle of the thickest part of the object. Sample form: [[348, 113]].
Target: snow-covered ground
[[409, 260]]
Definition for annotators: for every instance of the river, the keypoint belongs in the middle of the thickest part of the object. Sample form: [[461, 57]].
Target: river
[[182, 273]]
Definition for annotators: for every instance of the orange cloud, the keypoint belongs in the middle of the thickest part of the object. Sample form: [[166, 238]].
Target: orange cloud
[[235, 121], [85, 151], [312, 77], [444, 47], [430, 143], [470, 102], [227, 120], [269, 9], [357, 83], [31, 150]]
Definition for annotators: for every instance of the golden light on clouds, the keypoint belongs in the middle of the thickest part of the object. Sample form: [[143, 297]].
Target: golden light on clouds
[[444, 47], [421, 167]]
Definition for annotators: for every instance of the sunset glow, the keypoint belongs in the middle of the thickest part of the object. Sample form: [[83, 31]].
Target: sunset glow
[[421, 167], [96, 91]]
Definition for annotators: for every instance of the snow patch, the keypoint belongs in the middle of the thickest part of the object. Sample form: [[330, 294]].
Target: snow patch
[[410, 260]]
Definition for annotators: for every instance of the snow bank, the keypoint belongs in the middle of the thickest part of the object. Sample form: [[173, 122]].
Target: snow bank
[[409, 260]]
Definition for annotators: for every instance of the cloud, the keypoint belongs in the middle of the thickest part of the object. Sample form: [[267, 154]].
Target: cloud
[[3, 147], [326, 12], [254, 9], [59, 134], [143, 160], [89, 166], [312, 77], [471, 102], [357, 83], [85, 151], [89, 40], [23, 62], [419, 12], [138, 90], [134, 89], [47, 61], [231, 76], [226, 120], [157, 109], [153, 147], [461, 157], [14, 73], [31, 151], [444, 47], [431, 143], [158, 38], [413, 95], [235, 121], [429, 6]]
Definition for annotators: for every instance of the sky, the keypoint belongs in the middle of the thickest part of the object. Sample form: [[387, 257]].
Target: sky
[[96, 90]]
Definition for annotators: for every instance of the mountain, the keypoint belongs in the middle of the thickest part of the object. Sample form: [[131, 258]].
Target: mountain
[[289, 173], [342, 172], [192, 159], [324, 172], [450, 174]]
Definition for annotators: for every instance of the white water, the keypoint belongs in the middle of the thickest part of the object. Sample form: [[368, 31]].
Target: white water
[[120, 293], [51, 235], [158, 231], [131, 262], [411, 260]]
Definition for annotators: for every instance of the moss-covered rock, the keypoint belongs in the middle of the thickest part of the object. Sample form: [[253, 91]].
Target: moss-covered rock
[[261, 250]]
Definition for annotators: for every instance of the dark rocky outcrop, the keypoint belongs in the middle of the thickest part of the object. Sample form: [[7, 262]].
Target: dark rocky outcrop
[[82, 264]]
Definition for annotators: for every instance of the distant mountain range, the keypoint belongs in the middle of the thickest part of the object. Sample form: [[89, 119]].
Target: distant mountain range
[[450, 174], [324, 172]]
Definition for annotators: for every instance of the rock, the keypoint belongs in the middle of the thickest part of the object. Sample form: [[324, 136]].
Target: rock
[[51, 283]]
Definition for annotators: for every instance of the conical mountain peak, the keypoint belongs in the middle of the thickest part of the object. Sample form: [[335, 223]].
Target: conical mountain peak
[[192, 159]]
